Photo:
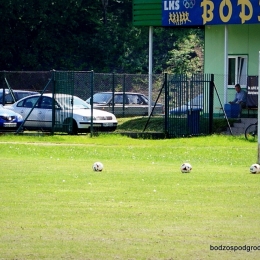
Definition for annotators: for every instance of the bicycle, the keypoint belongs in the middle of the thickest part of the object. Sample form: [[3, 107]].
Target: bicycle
[[251, 132]]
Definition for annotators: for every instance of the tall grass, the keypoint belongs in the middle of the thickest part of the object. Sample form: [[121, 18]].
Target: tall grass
[[53, 206]]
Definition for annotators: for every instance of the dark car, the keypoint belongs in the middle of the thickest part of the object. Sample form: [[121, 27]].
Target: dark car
[[11, 96], [124, 103]]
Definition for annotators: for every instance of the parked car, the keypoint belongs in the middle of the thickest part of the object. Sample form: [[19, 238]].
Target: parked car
[[125, 103], [14, 95], [9, 120], [194, 104], [66, 108]]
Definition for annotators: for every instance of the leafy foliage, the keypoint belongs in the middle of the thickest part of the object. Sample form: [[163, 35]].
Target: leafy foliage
[[84, 35], [186, 56]]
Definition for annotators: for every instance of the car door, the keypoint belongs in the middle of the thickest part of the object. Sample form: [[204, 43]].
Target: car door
[[118, 105], [45, 112], [137, 105], [35, 116]]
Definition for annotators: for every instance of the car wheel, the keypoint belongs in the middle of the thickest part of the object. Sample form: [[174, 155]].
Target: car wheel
[[70, 126]]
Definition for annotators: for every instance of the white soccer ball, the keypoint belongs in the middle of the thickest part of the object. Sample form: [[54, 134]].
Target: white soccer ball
[[186, 168], [97, 167], [254, 168]]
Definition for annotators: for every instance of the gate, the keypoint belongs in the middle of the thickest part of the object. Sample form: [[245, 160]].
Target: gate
[[189, 105], [66, 85], [63, 89]]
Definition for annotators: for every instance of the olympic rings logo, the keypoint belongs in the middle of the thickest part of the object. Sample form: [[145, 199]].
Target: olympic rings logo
[[188, 3]]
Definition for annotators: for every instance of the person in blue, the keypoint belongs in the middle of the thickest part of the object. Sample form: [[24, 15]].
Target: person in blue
[[240, 98]]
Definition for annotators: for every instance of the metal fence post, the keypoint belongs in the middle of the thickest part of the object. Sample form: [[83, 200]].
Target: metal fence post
[[53, 103], [124, 96], [3, 101], [211, 101], [21, 126], [166, 106], [91, 101], [113, 93]]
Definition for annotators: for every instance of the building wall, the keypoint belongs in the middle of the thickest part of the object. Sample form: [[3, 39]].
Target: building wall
[[242, 40]]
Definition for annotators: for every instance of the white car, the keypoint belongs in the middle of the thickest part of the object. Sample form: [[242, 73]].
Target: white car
[[66, 112]]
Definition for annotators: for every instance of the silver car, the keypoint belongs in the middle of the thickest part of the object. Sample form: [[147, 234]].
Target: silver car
[[124, 103], [66, 109]]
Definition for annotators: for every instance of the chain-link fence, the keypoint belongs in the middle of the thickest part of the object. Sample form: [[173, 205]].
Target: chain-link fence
[[103, 82], [25, 80], [125, 95], [122, 94]]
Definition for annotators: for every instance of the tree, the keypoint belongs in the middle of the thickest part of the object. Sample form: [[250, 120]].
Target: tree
[[82, 35], [47, 34], [187, 55]]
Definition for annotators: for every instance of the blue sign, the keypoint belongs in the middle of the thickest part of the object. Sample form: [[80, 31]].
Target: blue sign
[[210, 12]]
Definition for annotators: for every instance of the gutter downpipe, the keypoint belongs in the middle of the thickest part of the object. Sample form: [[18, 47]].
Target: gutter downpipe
[[150, 69], [225, 64]]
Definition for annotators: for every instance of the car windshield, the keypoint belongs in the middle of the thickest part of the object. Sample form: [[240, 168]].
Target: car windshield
[[101, 98], [21, 95], [197, 101], [66, 102]]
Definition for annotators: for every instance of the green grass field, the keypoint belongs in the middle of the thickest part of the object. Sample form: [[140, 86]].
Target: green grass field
[[53, 206]]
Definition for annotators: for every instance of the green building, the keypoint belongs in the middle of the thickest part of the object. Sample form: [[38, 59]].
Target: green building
[[232, 41]]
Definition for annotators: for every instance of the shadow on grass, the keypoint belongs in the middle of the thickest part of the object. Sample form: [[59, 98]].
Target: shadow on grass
[[134, 127], [137, 124]]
